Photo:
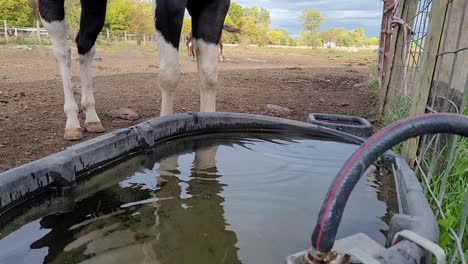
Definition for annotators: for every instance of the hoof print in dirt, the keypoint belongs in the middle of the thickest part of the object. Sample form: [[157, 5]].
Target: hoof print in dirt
[[278, 111], [124, 113]]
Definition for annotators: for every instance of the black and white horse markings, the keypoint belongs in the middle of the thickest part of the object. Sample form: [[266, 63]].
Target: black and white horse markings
[[207, 23]]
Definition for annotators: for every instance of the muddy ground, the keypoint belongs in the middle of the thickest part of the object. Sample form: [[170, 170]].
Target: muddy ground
[[31, 101]]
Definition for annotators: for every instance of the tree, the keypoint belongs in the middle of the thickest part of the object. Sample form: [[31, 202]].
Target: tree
[[260, 16], [372, 41], [72, 17], [140, 20], [118, 14], [235, 14], [311, 21], [16, 12], [186, 27]]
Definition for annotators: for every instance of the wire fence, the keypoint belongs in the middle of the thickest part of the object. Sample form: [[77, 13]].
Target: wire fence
[[423, 67]]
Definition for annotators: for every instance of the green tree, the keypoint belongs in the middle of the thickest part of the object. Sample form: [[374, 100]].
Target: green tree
[[311, 21], [140, 20], [118, 14], [235, 14], [260, 16], [72, 16], [372, 41], [358, 36], [16, 12], [186, 27]]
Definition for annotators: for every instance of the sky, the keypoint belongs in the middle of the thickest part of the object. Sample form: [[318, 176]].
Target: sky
[[349, 14]]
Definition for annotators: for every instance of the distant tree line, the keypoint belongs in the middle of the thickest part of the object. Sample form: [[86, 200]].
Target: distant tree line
[[135, 16]]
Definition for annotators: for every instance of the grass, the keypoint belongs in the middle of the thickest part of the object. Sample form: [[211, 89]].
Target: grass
[[457, 183], [454, 199], [398, 108], [373, 85], [23, 42], [364, 54]]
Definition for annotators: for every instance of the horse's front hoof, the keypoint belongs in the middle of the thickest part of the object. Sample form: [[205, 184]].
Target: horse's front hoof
[[94, 127], [73, 134]]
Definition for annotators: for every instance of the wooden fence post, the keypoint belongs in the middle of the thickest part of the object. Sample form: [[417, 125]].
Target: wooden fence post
[[426, 72], [5, 27], [38, 31], [108, 36], [125, 37], [387, 67], [395, 75], [144, 40]]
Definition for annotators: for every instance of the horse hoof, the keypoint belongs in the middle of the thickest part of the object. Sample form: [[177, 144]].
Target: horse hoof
[[73, 134], [94, 127]]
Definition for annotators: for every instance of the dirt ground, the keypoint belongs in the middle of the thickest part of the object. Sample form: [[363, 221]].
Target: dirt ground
[[31, 100]]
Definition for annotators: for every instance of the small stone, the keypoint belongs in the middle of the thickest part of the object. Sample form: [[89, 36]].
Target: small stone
[[345, 104], [20, 94], [359, 85], [124, 113], [322, 100], [27, 153], [98, 59], [275, 110]]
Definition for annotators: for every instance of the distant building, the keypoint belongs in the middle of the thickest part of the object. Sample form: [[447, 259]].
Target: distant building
[[329, 44]]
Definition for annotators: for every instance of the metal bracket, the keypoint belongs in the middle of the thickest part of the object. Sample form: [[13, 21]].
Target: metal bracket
[[362, 256], [423, 242]]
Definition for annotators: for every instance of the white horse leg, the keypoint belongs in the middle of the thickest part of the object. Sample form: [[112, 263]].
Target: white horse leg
[[92, 123], [58, 34], [169, 73], [207, 62]]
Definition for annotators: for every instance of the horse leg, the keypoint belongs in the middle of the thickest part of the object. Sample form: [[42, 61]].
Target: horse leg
[[53, 18], [169, 15], [92, 21], [207, 24]]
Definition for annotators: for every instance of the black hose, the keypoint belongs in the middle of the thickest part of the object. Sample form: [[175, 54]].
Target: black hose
[[335, 201]]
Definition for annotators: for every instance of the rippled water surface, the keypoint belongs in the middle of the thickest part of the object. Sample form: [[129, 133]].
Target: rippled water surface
[[224, 198]]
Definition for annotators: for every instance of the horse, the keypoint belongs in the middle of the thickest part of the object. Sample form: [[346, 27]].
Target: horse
[[190, 48], [207, 24]]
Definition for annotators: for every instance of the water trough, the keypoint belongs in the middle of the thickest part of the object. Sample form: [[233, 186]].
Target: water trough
[[61, 173]]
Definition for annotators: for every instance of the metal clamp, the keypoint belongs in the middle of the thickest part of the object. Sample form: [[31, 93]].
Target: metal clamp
[[423, 242]]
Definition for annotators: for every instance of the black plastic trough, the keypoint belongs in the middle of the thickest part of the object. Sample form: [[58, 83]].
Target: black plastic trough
[[64, 169]]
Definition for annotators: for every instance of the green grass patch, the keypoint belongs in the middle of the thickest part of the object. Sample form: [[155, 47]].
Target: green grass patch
[[364, 54], [373, 85], [23, 42], [396, 109]]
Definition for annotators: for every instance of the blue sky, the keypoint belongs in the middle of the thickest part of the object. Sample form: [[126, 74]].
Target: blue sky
[[349, 14]]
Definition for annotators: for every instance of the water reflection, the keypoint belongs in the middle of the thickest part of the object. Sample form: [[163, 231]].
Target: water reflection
[[223, 199]]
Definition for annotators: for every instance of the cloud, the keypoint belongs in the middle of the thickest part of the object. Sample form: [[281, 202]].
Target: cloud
[[349, 14]]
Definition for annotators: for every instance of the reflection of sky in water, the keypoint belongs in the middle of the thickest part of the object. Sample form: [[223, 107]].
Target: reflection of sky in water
[[18, 244]]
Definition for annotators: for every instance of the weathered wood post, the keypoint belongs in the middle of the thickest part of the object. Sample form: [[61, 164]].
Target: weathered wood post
[[426, 73], [5, 27]]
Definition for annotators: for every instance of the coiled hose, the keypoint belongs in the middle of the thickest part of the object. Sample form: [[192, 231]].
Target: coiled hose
[[335, 201]]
